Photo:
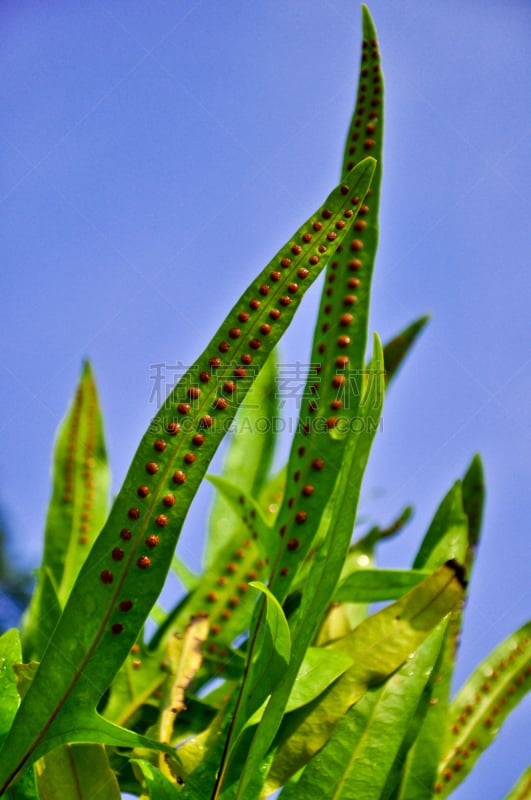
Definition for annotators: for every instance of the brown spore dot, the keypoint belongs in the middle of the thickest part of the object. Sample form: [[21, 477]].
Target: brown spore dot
[[340, 224], [152, 467], [331, 235], [243, 316], [286, 262], [232, 568], [126, 605], [221, 581], [206, 421], [173, 428], [246, 359], [106, 576], [343, 341], [143, 562], [284, 571], [342, 361], [360, 225], [292, 544], [161, 520], [282, 530], [321, 348], [136, 664], [338, 380], [239, 372], [152, 540], [220, 403], [290, 502], [133, 513], [300, 517], [313, 260], [265, 329], [301, 450], [117, 554], [214, 361], [326, 214], [285, 300], [349, 299], [275, 276], [188, 458], [318, 464], [356, 245], [242, 588], [234, 601], [274, 313], [226, 614], [369, 143], [296, 249], [264, 289], [117, 627], [239, 554], [211, 597], [332, 422], [302, 273], [198, 439], [447, 775], [235, 333], [204, 377], [296, 475], [370, 128], [83, 540], [223, 347], [229, 387], [135, 649], [345, 320], [354, 264], [179, 477], [353, 283], [142, 491], [254, 304], [215, 629], [194, 392], [159, 445], [183, 408], [125, 534], [317, 226], [255, 344], [322, 248]]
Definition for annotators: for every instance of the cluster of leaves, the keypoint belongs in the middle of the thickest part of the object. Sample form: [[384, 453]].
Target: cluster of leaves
[[270, 673]]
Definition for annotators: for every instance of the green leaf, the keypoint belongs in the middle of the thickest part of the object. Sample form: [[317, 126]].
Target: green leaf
[[248, 511], [159, 787], [274, 639], [76, 512], [356, 761], [377, 647], [76, 772], [398, 348], [10, 653], [120, 580], [326, 567], [248, 457], [482, 705], [375, 585], [473, 505], [446, 538], [318, 670], [522, 790]]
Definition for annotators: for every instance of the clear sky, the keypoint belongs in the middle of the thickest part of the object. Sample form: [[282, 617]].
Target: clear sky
[[156, 154]]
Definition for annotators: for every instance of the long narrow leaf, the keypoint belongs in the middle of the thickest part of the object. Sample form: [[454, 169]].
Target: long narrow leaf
[[482, 705], [124, 573]]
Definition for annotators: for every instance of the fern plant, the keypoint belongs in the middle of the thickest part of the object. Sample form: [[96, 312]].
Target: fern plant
[[272, 672]]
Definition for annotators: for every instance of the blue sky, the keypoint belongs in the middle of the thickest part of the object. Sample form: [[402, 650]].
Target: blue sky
[[156, 155]]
